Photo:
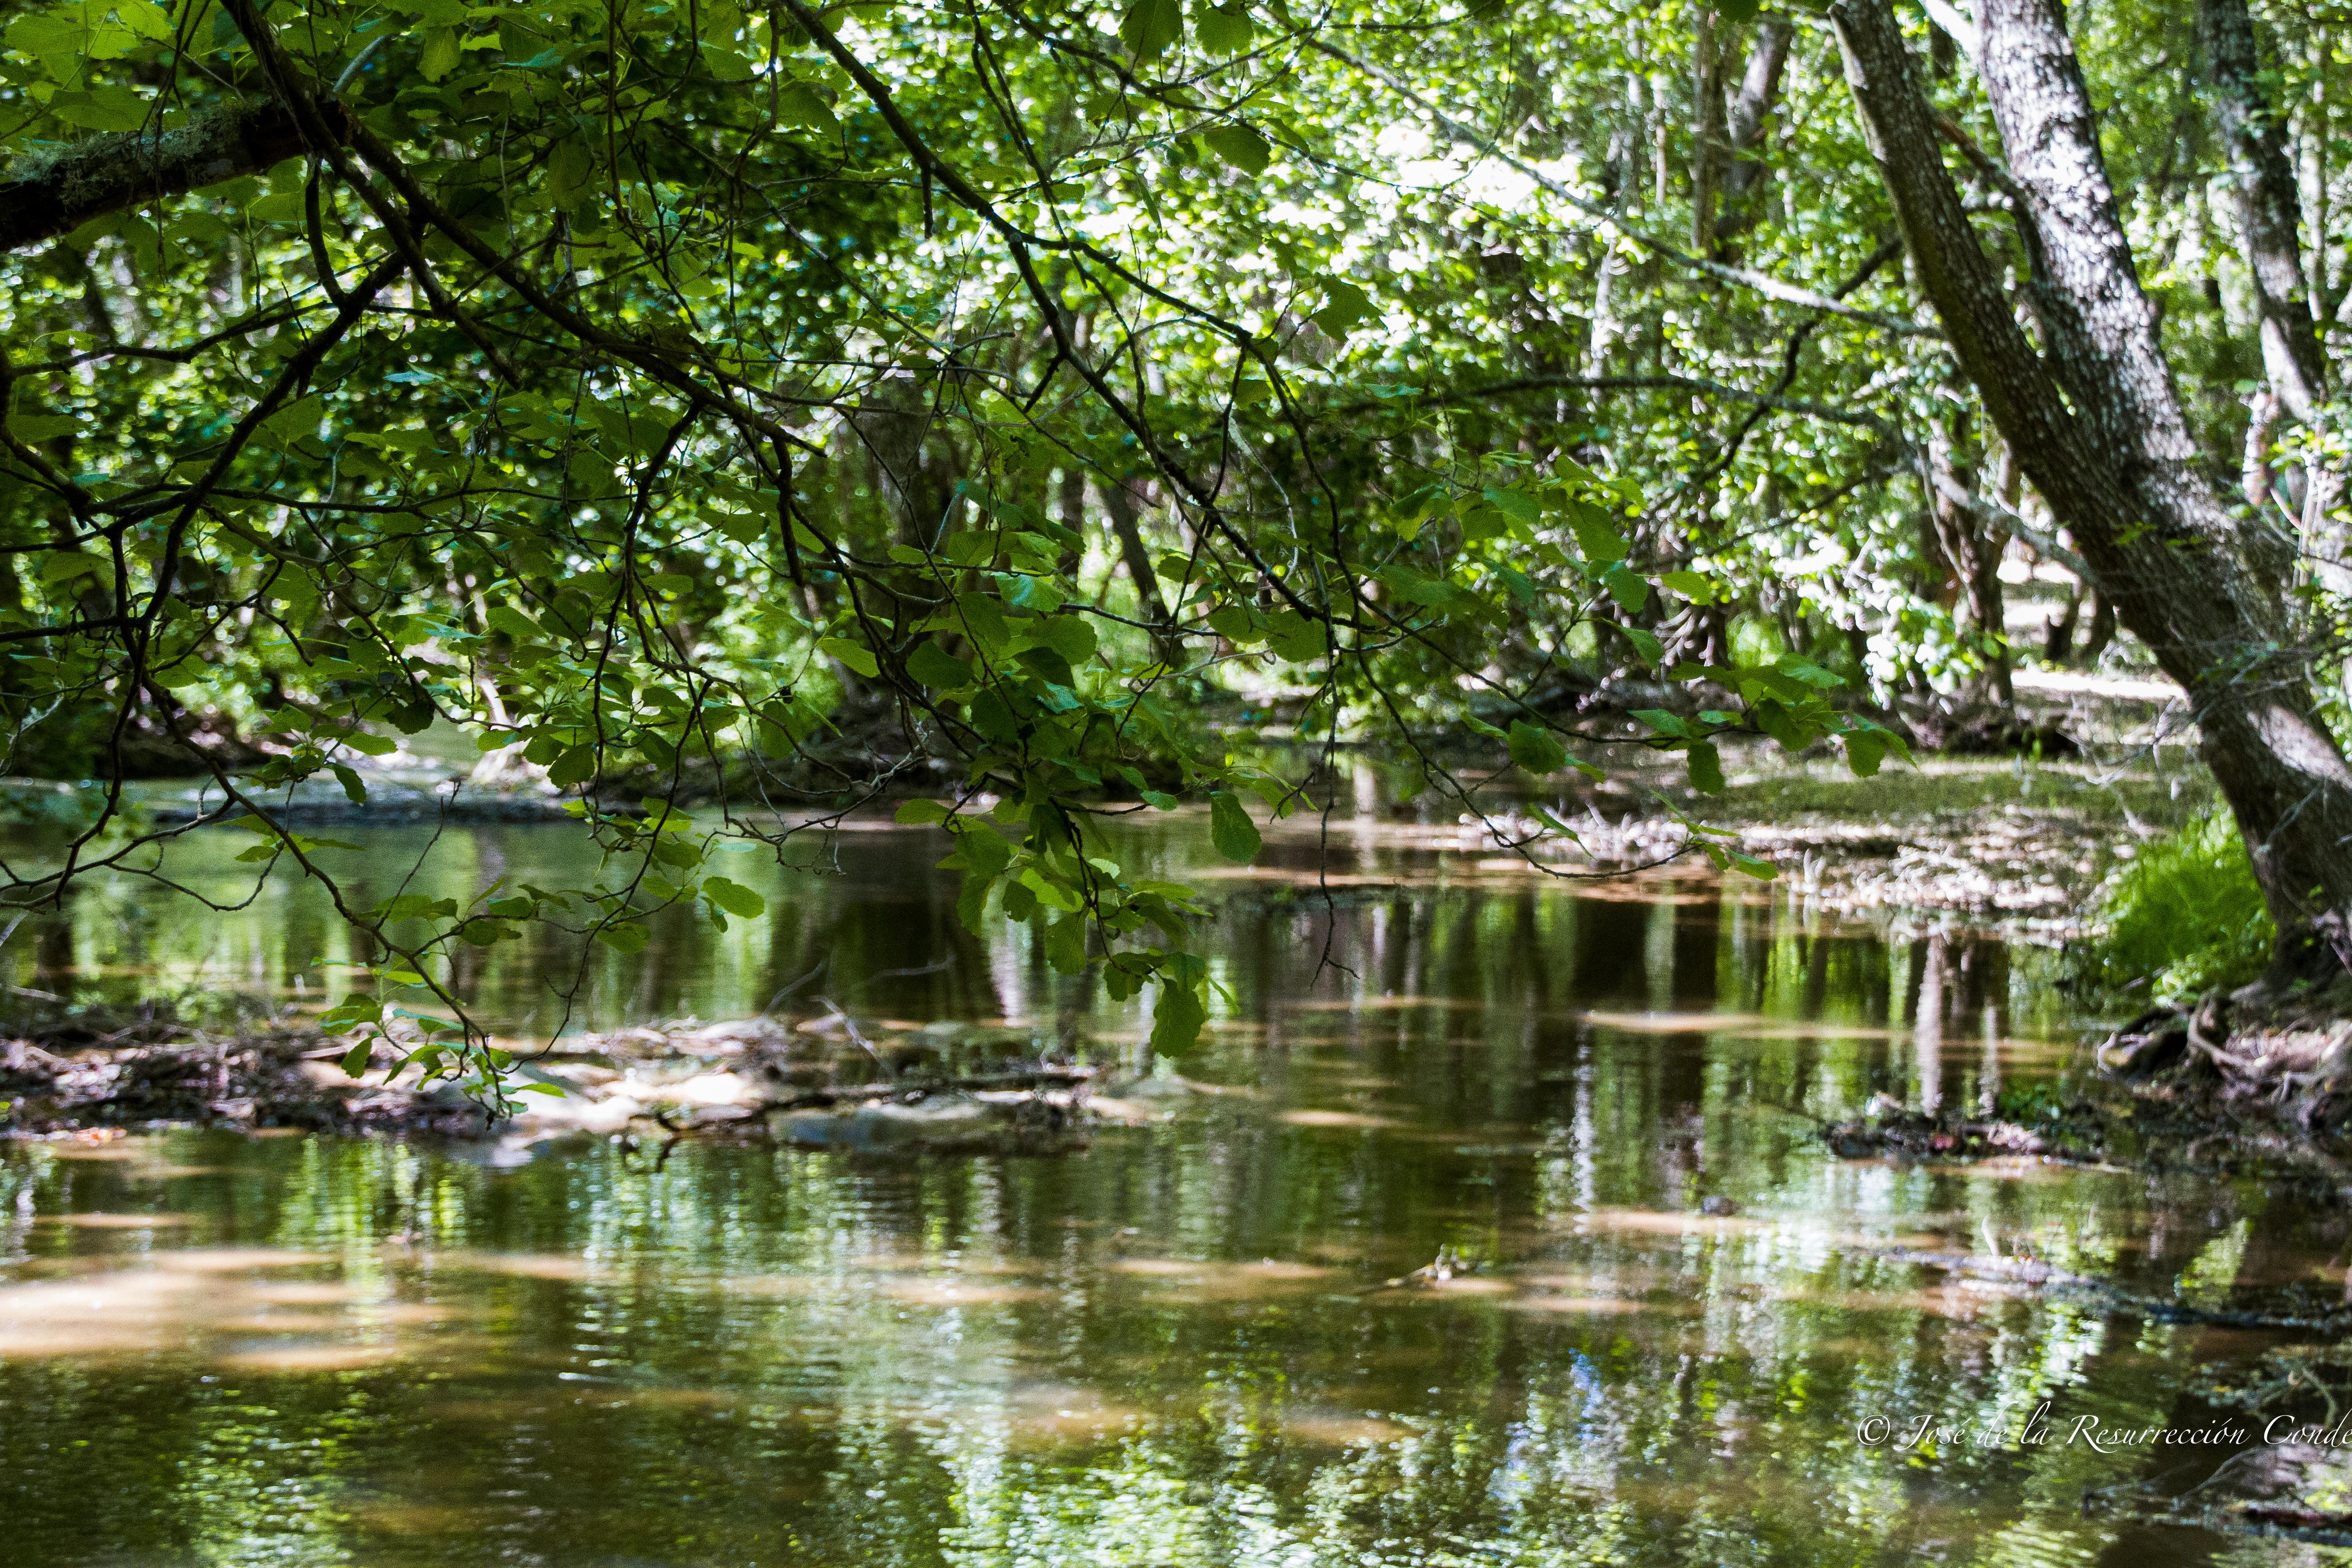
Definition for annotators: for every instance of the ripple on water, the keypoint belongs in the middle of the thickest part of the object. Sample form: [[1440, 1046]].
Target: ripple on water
[[1175, 1349]]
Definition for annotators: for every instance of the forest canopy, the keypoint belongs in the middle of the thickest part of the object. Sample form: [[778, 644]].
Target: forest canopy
[[731, 415]]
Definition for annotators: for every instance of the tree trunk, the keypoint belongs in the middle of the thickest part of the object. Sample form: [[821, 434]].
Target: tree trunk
[[2269, 210], [1759, 89], [1123, 502], [1973, 544], [895, 422], [52, 193], [1708, 149], [2098, 428]]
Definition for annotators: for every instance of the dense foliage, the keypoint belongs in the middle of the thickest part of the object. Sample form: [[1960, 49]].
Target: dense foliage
[[2182, 919], [695, 404]]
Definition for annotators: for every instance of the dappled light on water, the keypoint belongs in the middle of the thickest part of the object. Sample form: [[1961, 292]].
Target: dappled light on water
[[1505, 1238]]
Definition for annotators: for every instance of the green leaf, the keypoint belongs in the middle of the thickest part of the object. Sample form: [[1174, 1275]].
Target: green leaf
[[1516, 505], [43, 426], [1777, 722], [1070, 637], [577, 765], [1235, 836], [439, 54], [1065, 945], [1049, 663], [981, 849], [1536, 748], [1649, 648], [1737, 10], [1433, 593], [1480, 523], [733, 897], [1556, 824], [1629, 589], [102, 109], [915, 813], [355, 1060], [1239, 146], [854, 655], [1864, 749], [983, 616], [1233, 623], [1691, 586], [972, 902], [1177, 1017], [991, 718], [1293, 636], [1224, 29], [1706, 768], [66, 565], [798, 103], [934, 666], [1344, 305], [1798, 668], [1150, 27], [569, 169], [1595, 534], [626, 937]]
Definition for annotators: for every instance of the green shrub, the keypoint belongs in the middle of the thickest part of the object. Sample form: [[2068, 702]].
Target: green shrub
[[2184, 917]]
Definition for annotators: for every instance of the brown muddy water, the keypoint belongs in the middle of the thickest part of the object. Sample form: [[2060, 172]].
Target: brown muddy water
[[1176, 1347]]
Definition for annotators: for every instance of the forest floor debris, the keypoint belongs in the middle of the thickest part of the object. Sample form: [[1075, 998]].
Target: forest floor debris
[[2276, 1052], [2077, 1136], [2007, 844]]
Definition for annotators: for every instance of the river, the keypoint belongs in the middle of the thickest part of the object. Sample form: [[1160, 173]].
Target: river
[[1675, 1320]]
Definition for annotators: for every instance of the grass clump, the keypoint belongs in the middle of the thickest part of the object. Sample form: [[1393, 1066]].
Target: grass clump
[[2185, 917]]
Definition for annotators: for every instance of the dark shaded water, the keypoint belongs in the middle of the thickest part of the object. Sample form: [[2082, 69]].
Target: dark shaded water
[[1173, 1348]]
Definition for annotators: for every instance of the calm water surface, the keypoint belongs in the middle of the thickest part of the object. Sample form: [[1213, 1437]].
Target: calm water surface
[[1176, 1347]]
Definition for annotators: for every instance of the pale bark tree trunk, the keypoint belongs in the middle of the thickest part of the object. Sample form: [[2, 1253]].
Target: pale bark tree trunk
[[2255, 476], [2269, 208], [1625, 192], [2269, 211], [2098, 428], [1744, 126]]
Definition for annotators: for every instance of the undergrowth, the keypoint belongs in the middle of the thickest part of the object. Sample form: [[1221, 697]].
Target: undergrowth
[[2183, 918]]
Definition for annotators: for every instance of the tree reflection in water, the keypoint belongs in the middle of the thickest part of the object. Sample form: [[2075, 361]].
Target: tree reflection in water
[[1176, 1347]]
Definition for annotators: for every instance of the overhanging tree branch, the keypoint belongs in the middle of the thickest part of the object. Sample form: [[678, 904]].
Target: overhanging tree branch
[[46, 194]]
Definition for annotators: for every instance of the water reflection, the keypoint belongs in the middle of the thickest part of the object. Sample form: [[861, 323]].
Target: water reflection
[[1185, 1346]]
